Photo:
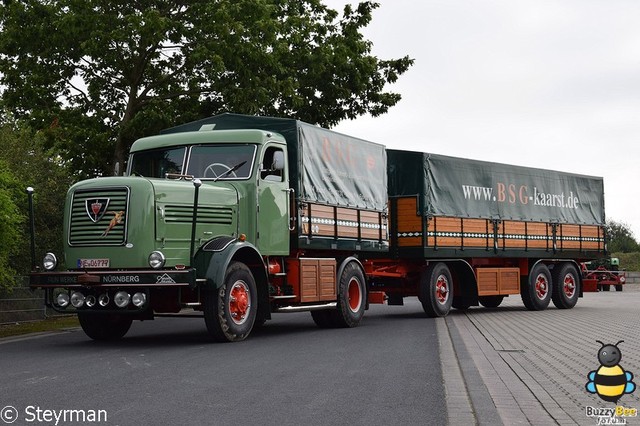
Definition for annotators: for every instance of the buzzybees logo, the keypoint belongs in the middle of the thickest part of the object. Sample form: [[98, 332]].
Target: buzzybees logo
[[610, 382], [96, 208]]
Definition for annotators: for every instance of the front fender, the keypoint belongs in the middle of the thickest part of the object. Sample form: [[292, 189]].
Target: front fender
[[241, 251]]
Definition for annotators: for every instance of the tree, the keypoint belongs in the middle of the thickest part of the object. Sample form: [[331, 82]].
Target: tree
[[25, 162], [99, 74], [620, 238], [10, 225]]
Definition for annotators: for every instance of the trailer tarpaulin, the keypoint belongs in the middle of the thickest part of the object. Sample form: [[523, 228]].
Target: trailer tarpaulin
[[458, 187]]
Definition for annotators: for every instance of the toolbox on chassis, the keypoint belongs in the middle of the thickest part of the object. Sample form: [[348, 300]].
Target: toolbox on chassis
[[240, 217]]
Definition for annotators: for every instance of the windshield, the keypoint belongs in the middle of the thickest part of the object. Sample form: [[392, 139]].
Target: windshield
[[205, 162], [221, 161], [158, 162]]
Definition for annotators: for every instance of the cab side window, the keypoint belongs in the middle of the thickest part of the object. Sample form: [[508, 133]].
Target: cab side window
[[273, 165]]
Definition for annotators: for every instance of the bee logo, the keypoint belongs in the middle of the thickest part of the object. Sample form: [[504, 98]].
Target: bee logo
[[610, 381]]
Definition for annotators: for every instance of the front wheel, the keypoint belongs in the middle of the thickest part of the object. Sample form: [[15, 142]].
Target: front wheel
[[230, 311], [104, 326], [536, 291], [565, 286], [436, 290]]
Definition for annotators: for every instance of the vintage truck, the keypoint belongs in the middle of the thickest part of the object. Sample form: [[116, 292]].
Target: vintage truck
[[239, 217]]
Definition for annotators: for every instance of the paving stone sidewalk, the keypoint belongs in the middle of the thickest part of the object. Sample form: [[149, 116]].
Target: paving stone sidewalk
[[533, 366]]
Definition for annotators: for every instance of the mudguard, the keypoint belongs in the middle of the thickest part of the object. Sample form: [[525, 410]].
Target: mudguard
[[241, 251]]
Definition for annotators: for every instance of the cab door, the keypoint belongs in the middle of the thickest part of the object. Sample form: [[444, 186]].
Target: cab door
[[273, 201]]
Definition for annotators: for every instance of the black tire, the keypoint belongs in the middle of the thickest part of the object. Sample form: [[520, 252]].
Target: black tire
[[619, 287], [606, 287], [565, 286], [490, 301], [352, 297], [460, 303], [104, 326], [436, 290], [536, 291], [230, 311], [324, 318]]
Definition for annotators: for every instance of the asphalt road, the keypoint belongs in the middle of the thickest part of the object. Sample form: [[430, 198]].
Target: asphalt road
[[386, 371]]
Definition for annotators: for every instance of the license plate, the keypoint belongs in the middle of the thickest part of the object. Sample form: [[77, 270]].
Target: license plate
[[93, 263]]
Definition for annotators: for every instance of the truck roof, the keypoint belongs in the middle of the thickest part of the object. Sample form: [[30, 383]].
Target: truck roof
[[205, 136]]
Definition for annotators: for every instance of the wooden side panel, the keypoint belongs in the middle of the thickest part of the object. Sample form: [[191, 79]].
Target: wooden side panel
[[448, 231], [539, 235], [515, 234], [308, 280], [509, 280], [475, 233], [317, 280], [340, 222], [488, 281], [498, 281], [347, 223], [370, 229], [409, 223], [327, 280]]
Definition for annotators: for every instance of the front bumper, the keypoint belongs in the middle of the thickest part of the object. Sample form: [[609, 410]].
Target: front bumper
[[139, 278]]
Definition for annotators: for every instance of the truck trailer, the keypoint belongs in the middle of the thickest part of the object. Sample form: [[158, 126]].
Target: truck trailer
[[237, 217]]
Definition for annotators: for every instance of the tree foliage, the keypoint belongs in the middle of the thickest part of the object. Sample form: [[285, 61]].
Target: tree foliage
[[10, 225], [620, 238], [98, 74], [26, 162]]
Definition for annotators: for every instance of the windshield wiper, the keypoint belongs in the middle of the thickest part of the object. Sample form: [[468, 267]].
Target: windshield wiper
[[231, 170]]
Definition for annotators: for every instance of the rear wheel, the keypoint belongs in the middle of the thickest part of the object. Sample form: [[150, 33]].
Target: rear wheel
[[565, 286], [618, 287], [351, 297], [536, 292], [490, 301], [436, 290], [230, 311], [324, 319], [104, 326]]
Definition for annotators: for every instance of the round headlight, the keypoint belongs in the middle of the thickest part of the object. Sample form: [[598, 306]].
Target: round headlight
[[50, 261], [156, 260], [103, 299], [121, 299], [90, 301], [62, 300], [77, 299], [139, 299]]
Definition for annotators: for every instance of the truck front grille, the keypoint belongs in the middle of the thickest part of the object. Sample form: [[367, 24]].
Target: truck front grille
[[99, 217]]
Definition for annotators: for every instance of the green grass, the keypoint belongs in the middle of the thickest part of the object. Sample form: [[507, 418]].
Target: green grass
[[628, 261], [51, 324]]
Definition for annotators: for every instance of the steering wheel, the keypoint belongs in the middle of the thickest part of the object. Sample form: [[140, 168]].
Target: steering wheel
[[210, 168]]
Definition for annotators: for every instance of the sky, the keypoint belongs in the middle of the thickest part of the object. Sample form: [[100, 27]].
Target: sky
[[552, 84]]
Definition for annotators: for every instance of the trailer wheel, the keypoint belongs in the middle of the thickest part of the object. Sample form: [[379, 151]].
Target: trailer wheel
[[351, 298], [104, 326], [536, 292], [324, 318], [436, 290], [230, 311], [490, 301], [565, 286]]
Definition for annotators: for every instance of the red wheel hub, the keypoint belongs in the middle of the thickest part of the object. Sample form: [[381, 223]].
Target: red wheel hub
[[569, 285], [542, 286], [355, 295], [442, 289], [239, 302]]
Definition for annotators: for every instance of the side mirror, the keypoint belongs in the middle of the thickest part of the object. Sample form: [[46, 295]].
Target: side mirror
[[278, 160]]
